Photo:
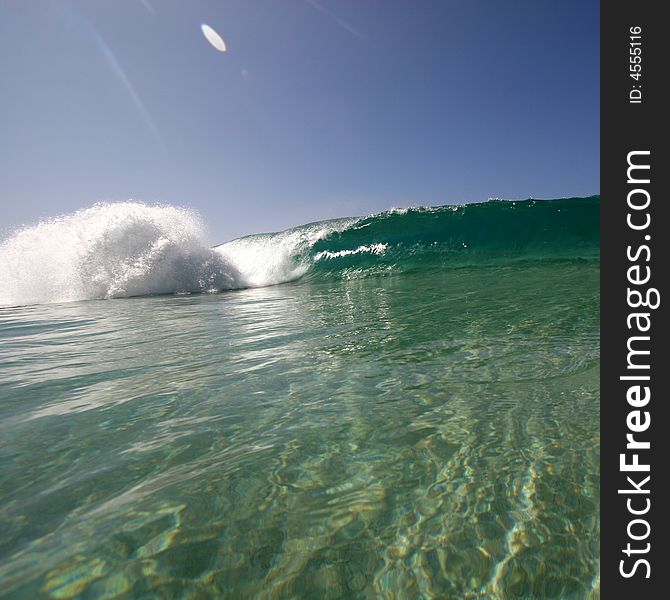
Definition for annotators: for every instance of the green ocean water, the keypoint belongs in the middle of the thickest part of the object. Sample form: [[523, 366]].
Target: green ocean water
[[412, 412]]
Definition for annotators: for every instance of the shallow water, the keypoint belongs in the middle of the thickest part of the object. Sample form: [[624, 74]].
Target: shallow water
[[428, 435]]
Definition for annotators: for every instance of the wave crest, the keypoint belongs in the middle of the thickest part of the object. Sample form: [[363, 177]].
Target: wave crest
[[132, 249]]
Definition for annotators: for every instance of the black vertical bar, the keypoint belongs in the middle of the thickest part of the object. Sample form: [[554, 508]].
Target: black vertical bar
[[634, 117]]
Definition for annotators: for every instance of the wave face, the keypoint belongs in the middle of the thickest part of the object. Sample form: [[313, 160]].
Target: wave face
[[402, 240], [481, 234], [130, 249]]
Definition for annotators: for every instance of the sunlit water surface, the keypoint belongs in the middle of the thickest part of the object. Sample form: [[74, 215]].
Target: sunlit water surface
[[431, 435]]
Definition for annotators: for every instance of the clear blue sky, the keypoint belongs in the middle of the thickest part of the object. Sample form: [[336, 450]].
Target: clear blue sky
[[318, 109]]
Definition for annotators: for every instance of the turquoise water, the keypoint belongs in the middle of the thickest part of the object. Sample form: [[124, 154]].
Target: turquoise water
[[413, 413]]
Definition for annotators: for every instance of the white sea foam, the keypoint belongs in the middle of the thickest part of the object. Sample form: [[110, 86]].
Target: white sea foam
[[378, 249], [111, 250], [130, 248], [270, 258]]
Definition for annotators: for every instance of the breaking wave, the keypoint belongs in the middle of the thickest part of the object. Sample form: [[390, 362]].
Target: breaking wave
[[114, 250]]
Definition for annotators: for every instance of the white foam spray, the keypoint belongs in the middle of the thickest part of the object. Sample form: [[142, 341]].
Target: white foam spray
[[111, 250], [270, 258], [122, 249]]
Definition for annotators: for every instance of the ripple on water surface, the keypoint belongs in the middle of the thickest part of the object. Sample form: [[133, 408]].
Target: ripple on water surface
[[414, 436]]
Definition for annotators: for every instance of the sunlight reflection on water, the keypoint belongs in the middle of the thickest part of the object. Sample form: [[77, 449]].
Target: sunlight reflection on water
[[414, 436]]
